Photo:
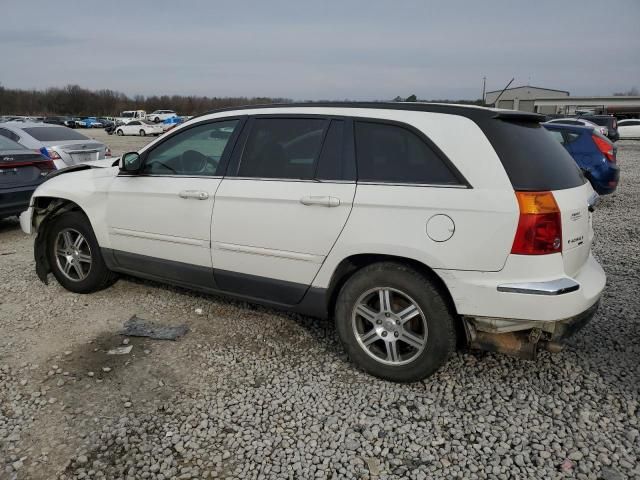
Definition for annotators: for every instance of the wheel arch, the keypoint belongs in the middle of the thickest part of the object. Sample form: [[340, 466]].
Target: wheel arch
[[45, 210], [351, 264]]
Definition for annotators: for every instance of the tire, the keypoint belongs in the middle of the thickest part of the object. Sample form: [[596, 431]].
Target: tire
[[96, 274], [142, 133], [157, 120], [119, 132], [428, 325]]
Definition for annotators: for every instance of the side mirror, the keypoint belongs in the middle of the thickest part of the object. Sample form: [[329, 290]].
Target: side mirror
[[130, 162]]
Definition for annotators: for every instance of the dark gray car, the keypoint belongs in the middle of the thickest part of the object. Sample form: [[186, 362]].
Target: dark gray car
[[21, 171]]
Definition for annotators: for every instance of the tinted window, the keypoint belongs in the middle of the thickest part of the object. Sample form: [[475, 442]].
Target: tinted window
[[9, 134], [195, 151], [557, 135], [390, 153], [52, 134], [531, 157], [282, 148], [334, 162], [7, 144]]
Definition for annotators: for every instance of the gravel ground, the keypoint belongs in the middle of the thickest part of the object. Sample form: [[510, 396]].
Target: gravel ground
[[254, 393]]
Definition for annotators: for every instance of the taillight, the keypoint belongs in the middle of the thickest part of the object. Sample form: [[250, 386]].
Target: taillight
[[605, 147], [50, 153], [539, 226], [45, 167], [107, 152]]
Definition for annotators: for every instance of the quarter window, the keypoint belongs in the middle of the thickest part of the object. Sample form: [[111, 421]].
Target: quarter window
[[283, 148], [394, 154], [196, 151]]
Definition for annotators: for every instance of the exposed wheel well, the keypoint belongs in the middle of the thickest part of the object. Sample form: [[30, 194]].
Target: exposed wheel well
[[45, 210], [352, 264]]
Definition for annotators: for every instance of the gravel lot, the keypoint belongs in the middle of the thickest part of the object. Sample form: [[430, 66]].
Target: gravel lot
[[255, 393]]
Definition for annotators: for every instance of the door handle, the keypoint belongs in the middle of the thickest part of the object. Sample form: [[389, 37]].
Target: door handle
[[198, 195], [320, 200]]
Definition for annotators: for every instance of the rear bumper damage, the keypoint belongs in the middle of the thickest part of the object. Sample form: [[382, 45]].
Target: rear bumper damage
[[521, 338]]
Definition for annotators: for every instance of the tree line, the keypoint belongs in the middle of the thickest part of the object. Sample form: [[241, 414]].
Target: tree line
[[77, 101]]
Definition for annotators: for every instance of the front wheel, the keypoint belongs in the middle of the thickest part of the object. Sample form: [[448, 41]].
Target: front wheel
[[394, 323], [74, 255], [119, 132], [142, 133]]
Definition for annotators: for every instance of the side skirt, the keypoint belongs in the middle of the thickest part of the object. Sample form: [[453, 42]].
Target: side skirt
[[239, 286]]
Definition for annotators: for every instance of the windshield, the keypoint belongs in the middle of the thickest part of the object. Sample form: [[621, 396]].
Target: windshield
[[52, 134]]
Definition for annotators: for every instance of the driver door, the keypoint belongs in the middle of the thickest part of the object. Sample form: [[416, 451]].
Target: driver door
[[159, 220]]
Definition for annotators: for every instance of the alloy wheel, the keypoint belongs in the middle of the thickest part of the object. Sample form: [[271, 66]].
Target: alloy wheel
[[73, 254], [389, 325]]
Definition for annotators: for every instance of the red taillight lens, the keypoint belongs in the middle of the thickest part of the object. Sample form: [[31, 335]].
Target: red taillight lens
[[539, 226], [45, 167], [605, 147]]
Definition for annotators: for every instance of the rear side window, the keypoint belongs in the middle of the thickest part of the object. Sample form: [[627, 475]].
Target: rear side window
[[283, 148], [52, 134], [394, 154], [532, 158]]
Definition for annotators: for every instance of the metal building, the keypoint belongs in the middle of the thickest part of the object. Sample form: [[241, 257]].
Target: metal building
[[521, 98]]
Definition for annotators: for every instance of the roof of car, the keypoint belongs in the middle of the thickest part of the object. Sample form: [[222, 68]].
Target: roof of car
[[23, 125], [471, 111]]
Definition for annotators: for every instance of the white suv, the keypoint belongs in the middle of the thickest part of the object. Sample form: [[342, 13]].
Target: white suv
[[416, 227]]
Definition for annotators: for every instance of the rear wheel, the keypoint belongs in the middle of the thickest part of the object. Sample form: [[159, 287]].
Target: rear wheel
[[394, 323], [119, 132], [157, 120], [142, 133], [74, 255]]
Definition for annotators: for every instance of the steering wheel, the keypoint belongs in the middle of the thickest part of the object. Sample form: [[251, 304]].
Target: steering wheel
[[193, 161]]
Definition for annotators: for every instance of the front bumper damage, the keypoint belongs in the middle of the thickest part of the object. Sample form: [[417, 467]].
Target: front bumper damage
[[521, 338]]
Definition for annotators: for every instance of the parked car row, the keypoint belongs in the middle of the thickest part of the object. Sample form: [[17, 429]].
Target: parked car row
[[374, 214]]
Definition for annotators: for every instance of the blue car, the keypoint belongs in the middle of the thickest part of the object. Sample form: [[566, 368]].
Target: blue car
[[594, 153]]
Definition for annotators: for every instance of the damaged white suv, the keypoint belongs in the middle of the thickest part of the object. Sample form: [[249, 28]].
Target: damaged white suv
[[417, 227]]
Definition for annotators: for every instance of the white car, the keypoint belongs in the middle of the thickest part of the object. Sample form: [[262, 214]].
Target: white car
[[139, 127], [415, 226], [581, 123], [629, 128], [158, 116]]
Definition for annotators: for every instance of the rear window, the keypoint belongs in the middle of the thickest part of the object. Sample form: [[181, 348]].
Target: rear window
[[8, 144], [52, 134], [533, 159]]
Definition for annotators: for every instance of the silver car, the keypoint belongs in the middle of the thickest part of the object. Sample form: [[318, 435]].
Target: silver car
[[61, 144]]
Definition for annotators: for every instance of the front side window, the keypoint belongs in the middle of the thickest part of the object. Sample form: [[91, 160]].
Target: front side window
[[285, 148], [394, 154], [196, 151]]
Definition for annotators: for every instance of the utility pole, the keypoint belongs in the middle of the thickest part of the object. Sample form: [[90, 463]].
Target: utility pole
[[484, 86]]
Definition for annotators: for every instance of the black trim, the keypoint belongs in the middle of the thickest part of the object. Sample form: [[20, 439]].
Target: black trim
[[453, 109], [183, 273], [279, 291], [289, 296]]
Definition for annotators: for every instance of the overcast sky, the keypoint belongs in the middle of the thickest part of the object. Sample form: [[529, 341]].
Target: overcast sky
[[361, 49]]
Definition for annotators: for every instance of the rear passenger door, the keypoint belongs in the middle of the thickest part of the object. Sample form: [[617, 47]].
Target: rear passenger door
[[282, 205]]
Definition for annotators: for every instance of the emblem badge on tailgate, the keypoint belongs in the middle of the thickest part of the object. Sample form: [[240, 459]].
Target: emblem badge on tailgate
[[576, 216]]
